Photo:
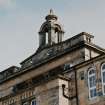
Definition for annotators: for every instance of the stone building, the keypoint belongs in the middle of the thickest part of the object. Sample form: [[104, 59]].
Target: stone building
[[60, 72]]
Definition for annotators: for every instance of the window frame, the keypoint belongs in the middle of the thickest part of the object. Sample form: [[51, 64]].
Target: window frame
[[93, 87], [29, 101], [103, 83], [32, 101]]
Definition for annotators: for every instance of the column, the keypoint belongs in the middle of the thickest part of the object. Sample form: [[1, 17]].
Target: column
[[42, 39]]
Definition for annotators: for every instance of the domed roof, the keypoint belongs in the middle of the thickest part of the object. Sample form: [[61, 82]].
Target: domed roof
[[51, 22]]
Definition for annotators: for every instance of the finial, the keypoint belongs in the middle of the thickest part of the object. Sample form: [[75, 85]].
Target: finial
[[51, 11], [51, 16]]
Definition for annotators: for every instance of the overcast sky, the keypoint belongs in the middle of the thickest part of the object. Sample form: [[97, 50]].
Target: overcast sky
[[20, 21]]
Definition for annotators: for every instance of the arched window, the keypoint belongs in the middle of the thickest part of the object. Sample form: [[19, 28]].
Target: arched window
[[103, 78], [92, 83]]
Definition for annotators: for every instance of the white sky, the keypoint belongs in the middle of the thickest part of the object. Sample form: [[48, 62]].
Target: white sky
[[20, 21]]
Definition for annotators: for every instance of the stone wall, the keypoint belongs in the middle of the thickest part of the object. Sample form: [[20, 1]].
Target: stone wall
[[7, 86], [46, 94], [83, 90]]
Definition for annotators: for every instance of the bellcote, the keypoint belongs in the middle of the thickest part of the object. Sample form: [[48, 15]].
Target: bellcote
[[51, 31]]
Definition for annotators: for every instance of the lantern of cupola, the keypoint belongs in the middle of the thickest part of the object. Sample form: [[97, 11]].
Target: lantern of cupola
[[51, 31]]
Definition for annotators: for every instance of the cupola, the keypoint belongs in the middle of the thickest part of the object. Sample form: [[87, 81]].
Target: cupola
[[51, 31]]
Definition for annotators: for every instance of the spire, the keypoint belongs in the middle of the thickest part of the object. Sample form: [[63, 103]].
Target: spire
[[51, 16]]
